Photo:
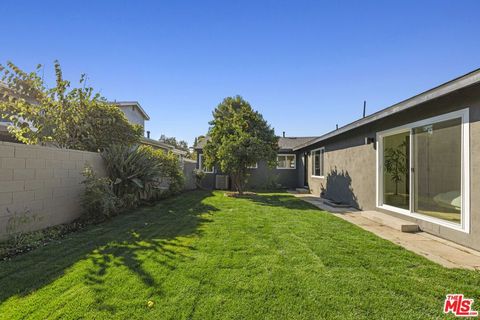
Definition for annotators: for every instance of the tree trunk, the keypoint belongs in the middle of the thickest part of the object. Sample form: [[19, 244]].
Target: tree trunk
[[239, 185], [237, 182]]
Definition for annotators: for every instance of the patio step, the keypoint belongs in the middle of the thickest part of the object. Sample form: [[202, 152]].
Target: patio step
[[302, 190], [390, 221], [336, 204]]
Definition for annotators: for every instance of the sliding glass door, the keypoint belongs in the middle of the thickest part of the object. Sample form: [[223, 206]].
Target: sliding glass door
[[437, 163], [396, 172], [423, 169]]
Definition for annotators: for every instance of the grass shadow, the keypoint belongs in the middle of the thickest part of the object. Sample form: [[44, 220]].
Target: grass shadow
[[278, 199], [123, 241]]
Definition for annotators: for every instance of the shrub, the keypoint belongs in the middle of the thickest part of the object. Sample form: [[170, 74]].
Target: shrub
[[172, 174], [199, 176], [142, 173], [22, 242], [99, 200], [133, 171]]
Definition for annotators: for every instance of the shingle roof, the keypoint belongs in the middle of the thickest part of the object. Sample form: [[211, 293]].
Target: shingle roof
[[284, 143], [289, 143]]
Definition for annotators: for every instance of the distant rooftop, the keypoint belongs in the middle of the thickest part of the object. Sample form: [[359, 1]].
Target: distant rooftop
[[284, 143], [135, 104], [162, 145], [289, 143]]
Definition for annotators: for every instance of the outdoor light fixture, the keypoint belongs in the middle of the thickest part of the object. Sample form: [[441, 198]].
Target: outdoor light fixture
[[369, 140]]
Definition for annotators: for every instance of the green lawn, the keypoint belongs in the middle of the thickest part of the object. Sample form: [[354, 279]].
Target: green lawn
[[206, 256]]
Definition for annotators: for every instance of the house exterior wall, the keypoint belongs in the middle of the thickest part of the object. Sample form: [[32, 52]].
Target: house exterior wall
[[4, 134], [350, 164], [265, 177], [262, 177], [208, 182], [41, 186], [133, 115], [349, 173]]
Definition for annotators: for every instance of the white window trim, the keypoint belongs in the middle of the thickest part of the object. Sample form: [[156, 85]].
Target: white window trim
[[464, 225], [200, 164], [285, 155], [313, 162], [254, 167]]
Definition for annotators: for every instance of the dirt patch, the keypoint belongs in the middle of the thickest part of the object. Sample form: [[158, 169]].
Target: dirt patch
[[237, 195]]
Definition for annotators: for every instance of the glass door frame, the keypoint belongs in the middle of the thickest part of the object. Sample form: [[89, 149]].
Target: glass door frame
[[380, 169], [464, 225]]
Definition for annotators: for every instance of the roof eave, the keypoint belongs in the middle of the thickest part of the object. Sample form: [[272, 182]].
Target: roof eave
[[451, 86], [157, 143], [133, 103]]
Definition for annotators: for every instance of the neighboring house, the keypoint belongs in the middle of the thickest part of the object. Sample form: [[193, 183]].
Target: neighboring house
[[418, 160], [4, 134], [283, 175], [157, 144], [4, 123], [137, 115], [133, 111]]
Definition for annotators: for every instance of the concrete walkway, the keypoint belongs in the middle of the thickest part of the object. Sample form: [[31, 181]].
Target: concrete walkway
[[441, 251]]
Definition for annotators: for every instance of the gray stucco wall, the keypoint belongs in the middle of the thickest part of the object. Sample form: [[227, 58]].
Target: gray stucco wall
[[262, 177], [349, 173], [265, 177], [351, 163], [133, 115]]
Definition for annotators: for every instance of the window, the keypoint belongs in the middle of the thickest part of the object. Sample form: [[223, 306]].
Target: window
[[255, 166], [286, 161], [423, 170], [318, 162], [200, 165]]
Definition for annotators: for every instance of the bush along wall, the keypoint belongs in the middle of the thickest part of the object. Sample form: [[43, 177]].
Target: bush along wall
[[135, 175]]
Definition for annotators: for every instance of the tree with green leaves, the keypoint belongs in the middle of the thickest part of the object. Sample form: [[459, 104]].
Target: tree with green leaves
[[65, 117], [239, 137], [179, 144]]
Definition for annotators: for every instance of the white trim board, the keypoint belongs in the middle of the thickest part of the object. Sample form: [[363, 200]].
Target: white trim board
[[200, 164], [322, 163]]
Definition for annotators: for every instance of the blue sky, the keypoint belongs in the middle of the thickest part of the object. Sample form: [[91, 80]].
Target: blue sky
[[305, 65]]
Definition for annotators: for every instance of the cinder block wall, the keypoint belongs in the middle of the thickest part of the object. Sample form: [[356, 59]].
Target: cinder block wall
[[41, 186]]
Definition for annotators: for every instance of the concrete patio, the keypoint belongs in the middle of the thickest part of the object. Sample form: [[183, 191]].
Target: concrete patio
[[401, 232]]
